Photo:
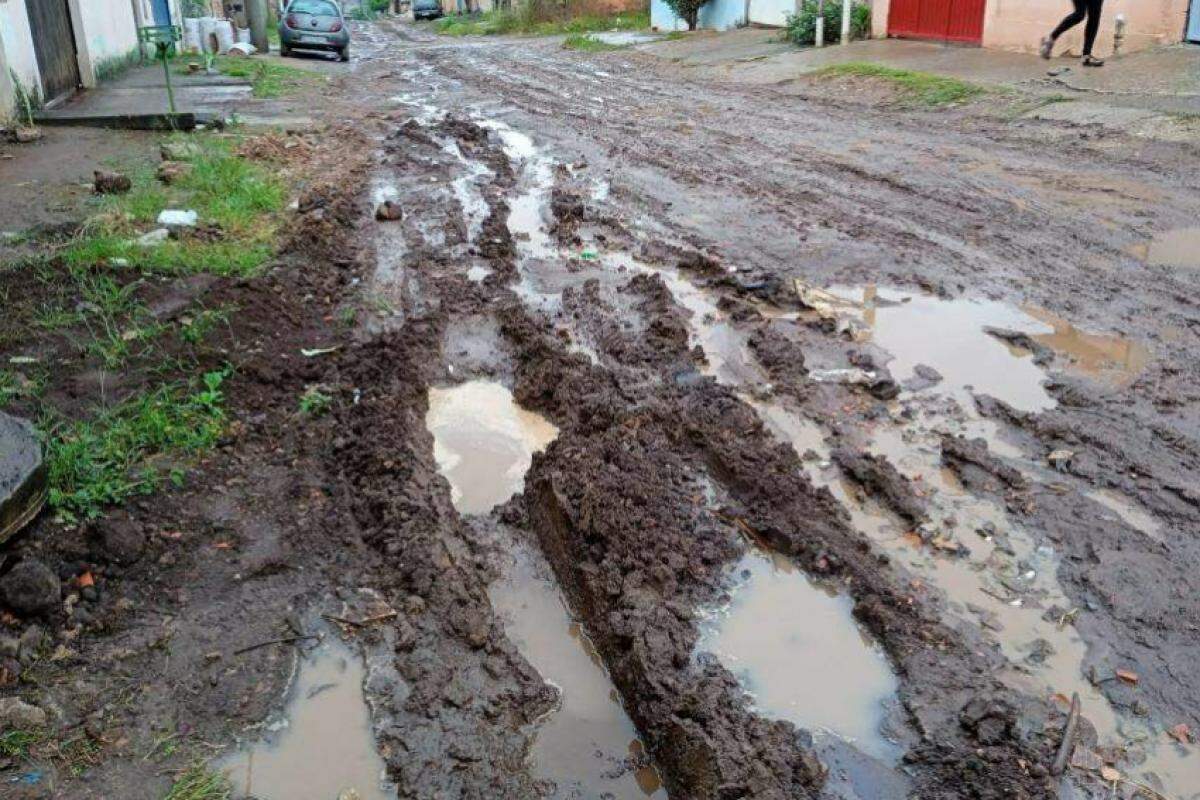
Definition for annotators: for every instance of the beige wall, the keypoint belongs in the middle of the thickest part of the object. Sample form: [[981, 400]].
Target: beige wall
[[1020, 24]]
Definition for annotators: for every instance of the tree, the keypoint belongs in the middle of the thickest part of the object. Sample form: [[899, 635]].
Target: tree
[[686, 10]]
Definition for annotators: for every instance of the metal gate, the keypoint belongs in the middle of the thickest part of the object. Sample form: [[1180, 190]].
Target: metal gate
[[54, 46], [947, 20]]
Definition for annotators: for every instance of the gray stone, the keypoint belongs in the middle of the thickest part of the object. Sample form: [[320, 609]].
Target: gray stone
[[23, 484], [16, 714], [31, 588]]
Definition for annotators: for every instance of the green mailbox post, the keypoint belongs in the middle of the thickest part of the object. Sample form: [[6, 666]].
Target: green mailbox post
[[163, 37]]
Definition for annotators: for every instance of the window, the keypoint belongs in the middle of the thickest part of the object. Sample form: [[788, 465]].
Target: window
[[317, 8]]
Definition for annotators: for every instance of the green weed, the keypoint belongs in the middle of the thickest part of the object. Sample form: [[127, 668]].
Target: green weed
[[314, 402], [268, 79], [200, 783], [195, 328], [17, 743], [919, 88], [101, 462], [588, 43]]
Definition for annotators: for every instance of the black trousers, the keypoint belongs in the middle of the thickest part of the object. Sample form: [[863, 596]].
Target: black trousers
[[1088, 8]]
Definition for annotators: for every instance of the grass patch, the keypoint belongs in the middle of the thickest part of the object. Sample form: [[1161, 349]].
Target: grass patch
[[17, 743], [200, 783], [588, 43], [267, 78], [238, 196], [101, 462], [520, 21], [919, 88]]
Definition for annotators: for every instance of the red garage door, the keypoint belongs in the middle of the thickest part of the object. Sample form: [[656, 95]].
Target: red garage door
[[948, 20]]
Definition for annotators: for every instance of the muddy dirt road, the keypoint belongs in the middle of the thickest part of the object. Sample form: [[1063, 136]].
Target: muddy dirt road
[[708, 440]]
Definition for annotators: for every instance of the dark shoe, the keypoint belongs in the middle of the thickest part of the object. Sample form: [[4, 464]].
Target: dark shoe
[[1047, 46], [1092, 61]]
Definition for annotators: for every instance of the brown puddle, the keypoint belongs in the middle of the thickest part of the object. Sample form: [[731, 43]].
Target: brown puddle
[[799, 653], [1176, 248], [588, 746], [324, 746], [483, 442], [951, 337], [1097, 355]]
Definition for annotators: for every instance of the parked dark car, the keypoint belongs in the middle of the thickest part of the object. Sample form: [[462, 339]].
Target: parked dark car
[[426, 9], [314, 25]]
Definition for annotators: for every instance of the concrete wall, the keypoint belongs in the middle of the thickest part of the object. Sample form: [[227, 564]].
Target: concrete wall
[[1020, 24], [18, 45], [717, 15], [104, 29]]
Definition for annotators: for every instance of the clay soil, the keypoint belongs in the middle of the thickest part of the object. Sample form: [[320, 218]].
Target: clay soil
[[662, 475]]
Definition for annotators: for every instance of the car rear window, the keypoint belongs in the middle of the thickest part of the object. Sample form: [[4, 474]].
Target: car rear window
[[318, 8]]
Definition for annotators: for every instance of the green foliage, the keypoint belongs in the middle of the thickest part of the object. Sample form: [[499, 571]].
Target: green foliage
[[314, 402], [917, 88], [16, 743], [526, 19], [200, 783], [267, 79], [101, 462], [802, 26], [588, 43], [114, 66], [26, 101], [687, 10]]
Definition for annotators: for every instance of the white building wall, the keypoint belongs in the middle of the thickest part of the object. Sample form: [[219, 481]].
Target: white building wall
[[18, 44]]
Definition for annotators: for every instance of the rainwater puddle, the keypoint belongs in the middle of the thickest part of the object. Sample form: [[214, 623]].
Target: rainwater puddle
[[585, 744], [1177, 248], [466, 189], [797, 650], [325, 744], [483, 442], [949, 336]]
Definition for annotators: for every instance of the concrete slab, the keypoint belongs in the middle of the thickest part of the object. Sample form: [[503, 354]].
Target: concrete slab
[[23, 475]]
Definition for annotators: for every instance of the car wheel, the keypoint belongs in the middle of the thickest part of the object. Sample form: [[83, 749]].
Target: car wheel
[[284, 51], [344, 53]]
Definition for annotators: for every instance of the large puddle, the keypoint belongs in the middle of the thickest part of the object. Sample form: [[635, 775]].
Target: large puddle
[[1175, 248], [483, 442], [324, 745], [797, 650], [588, 746], [952, 337]]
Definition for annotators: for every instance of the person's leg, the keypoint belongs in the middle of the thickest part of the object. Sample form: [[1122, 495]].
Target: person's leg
[[1093, 25], [1069, 21], [1072, 19]]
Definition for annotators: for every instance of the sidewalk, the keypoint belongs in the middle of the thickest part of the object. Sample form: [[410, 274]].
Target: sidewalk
[[1164, 80]]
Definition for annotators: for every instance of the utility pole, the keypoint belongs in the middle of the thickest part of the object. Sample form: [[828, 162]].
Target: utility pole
[[820, 32], [846, 21], [256, 16]]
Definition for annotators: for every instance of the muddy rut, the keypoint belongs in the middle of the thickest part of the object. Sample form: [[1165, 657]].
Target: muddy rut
[[895, 367]]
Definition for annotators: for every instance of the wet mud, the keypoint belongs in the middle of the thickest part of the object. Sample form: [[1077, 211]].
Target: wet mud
[[620, 499]]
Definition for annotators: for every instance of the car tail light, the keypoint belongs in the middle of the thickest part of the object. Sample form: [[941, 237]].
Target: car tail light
[[292, 22], [336, 26]]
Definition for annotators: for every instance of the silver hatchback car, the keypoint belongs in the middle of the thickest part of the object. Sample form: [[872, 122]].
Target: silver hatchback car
[[314, 25]]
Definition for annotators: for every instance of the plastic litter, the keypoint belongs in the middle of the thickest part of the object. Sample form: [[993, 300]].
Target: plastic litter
[[242, 49], [177, 217]]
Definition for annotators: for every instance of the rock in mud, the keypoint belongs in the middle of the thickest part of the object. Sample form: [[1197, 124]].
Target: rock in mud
[[977, 468], [389, 211], [105, 182], [780, 356], [31, 588], [26, 135], [15, 714], [119, 540], [171, 171], [924, 377], [879, 477], [23, 484], [179, 151]]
